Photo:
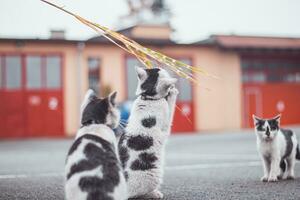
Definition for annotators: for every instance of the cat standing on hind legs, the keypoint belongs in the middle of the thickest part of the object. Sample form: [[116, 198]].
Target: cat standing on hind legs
[[142, 146], [93, 169], [278, 149]]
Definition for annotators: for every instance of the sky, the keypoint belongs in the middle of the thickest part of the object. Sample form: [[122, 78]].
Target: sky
[[192, 20]]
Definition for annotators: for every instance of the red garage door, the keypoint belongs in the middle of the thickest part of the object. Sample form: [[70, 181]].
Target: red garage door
[[12, 97], [31, 95], [268, 100], [271, 86]]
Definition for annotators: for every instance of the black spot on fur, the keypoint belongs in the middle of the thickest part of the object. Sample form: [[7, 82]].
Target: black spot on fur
[[95, 112], [96, 156], [298, 153], [126, 175], [259, 125], [146, 161], [95, 187], [273, 124], [74, 147], [124, 155], [268, 133], [123, 151], [149, 122], [148, 86], [289, 143], [140, 143], [283, 165]]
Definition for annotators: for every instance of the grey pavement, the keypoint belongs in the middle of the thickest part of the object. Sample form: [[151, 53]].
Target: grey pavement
[[209, 165]]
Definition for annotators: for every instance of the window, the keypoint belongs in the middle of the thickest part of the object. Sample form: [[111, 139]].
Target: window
[[292, 73], [94, 74], [184, 86], [53, 72], [131, 76], [13, 72], [272, 71], [33, 72]]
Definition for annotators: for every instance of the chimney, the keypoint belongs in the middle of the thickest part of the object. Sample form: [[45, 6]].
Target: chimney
[[57, 34]]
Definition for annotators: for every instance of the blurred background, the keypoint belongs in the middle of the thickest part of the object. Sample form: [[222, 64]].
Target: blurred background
[[48, 60]]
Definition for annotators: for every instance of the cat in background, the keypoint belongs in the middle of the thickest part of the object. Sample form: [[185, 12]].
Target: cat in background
[[93, 170], [277, 147], [142, 146]]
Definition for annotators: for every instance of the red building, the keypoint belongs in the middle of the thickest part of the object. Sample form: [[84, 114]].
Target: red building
[[42, 81], [270, 69]]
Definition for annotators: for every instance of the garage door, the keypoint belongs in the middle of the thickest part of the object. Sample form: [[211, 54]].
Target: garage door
[[31, 95]]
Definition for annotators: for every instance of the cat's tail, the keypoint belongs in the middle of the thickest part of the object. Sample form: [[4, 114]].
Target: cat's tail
[[298, 153]]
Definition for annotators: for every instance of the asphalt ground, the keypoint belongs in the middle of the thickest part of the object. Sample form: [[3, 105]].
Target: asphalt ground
[[208, 165]]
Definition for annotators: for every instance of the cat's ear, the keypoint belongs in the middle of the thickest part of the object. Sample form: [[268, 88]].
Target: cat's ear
[[88, 97], [141, 73], [277, 118], [112, 98], [255, 118]]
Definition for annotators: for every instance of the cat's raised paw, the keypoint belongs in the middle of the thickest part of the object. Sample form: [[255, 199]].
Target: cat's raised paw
[[173, 91]]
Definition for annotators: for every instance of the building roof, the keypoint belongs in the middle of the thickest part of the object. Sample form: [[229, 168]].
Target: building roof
[[252, 42], [128, 32], [38, 40], [144, 41], [222, 41]]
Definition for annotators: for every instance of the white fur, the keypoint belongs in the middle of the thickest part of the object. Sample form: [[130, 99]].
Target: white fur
[[104, 131], [146, 184], [72, 190], [271, 151]]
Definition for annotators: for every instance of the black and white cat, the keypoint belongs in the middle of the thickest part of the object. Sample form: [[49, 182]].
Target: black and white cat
[[93, 170], [278, 149], [142, 146]]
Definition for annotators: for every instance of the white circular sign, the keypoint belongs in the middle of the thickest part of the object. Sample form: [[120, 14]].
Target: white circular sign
[[53, 103], [186, 109], [280, 106], [34, 100]]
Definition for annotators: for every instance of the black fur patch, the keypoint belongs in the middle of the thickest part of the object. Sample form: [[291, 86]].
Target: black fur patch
[[273, 124], [124, 155], [149, 122], [148, 86], [260, 124], [126, 175], [95, 112], [123, 151], [289, 143], [74, 146], [298, 153], [96, 187], [283, 165], [140, 143], [146, 161]]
